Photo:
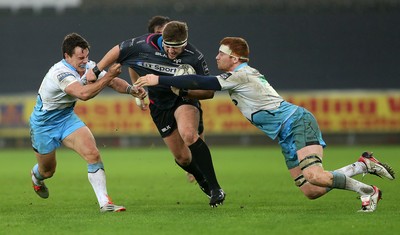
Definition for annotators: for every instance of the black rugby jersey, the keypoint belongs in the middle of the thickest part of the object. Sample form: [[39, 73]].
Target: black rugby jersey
[[146, 55]]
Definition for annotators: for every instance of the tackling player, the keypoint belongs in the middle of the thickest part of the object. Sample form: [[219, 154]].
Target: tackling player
[[295, 127], [53, 121]]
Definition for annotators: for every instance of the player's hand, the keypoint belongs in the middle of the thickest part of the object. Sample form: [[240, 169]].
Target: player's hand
[[138, 92], [114, 70], [148, 80], [175, 90], [90, 76], [141, 104]]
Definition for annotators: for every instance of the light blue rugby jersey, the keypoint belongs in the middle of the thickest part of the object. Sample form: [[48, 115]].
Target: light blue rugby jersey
[[53, 105], [257, 99]]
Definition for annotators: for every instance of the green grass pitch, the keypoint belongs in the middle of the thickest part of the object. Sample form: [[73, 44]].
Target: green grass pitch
[[261, 197]]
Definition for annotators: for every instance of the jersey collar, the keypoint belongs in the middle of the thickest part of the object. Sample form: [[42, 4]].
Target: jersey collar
[[159, 43], [240, 66], [68, 65]]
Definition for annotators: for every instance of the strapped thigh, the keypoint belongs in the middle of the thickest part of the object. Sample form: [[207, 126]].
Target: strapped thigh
[[310, 161]]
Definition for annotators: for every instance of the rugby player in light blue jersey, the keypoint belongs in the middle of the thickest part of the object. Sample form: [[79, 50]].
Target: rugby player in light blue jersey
[[53, 121], [295, 127]]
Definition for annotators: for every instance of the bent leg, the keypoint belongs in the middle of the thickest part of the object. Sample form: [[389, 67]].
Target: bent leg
[[188, 118], [46, 165], [315, 174], [44, 169], [182, 155], [309, 190]]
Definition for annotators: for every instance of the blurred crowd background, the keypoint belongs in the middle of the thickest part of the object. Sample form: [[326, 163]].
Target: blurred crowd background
[[297, 44], [302, 46]]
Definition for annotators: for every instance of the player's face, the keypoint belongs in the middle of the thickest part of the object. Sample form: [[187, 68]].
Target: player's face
[[225, 62], [79, 59], [173, 52], [159, 28]]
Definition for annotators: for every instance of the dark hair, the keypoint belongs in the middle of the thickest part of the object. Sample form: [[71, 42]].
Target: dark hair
[[238, 46], [175, 31], [157, 21], [71, 41]]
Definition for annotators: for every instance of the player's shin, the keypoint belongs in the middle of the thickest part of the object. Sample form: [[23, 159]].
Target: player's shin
[[97, 179]]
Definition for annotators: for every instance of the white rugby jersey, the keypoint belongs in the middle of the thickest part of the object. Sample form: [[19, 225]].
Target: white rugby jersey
[[249, 90], [59, 76]]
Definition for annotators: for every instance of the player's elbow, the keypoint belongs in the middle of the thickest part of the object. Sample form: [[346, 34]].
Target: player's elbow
[[85, 96]]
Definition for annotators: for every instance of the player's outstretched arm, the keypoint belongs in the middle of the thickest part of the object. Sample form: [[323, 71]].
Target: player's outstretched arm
[[193, 82]]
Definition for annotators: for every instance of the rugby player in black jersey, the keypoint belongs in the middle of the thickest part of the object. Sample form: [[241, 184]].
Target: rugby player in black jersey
[[156, 24], [177, 117]]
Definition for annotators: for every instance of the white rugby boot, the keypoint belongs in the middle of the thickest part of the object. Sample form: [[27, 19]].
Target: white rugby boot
[[369, 203], [375, 167]]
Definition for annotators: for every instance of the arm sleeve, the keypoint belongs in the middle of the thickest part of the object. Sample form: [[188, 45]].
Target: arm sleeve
[[126, 49], [65, 79], [193, 82]]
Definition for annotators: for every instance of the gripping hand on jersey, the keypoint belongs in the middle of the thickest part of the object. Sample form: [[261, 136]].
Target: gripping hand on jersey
[[138, 92], [113, 71], [90, 76]]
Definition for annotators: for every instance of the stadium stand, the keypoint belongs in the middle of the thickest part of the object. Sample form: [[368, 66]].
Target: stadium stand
[[180, 6], [39, 5]]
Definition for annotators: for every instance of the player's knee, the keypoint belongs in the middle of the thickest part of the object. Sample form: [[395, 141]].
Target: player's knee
[[189, 137], [92, 155], [47, 173], [183, 160]]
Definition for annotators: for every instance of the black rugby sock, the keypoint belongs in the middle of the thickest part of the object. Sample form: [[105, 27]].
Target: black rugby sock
[[193, 169], [202, 156]]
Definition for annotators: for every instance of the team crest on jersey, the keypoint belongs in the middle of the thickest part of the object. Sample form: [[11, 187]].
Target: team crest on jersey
[[225, 75], [61, 76]]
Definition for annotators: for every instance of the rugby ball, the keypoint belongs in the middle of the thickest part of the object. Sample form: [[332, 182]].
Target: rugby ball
[[184, 69]]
